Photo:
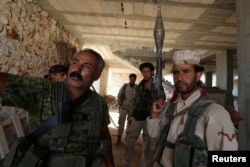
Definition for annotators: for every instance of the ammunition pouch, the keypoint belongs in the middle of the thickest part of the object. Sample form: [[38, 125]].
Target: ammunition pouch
[[24, 153], [190, 152]]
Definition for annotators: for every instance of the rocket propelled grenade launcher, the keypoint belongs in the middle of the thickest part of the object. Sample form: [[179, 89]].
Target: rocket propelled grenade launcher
[[159, 34]]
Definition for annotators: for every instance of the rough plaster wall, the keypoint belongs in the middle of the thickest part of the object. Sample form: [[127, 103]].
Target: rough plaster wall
[[27, 35]]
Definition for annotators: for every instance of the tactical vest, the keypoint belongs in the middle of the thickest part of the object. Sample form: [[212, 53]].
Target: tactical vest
[[122, 94], [189, 149]]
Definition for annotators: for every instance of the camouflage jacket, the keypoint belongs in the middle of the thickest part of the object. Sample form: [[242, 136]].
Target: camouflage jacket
[[38, 96]]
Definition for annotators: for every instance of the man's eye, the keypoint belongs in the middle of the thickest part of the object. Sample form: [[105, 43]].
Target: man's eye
[[175, 72], [186, 71], [87, 66]]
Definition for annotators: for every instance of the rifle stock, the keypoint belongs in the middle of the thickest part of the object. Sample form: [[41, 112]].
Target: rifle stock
[[159, 34]]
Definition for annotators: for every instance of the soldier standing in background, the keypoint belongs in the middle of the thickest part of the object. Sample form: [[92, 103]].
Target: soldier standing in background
[[143, 103], [126, 97]]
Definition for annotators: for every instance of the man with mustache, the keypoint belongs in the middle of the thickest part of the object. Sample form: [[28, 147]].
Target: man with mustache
[[214, 126], [38, 97]]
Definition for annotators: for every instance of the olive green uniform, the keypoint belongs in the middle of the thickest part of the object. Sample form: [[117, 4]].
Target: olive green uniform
[[39, 97]]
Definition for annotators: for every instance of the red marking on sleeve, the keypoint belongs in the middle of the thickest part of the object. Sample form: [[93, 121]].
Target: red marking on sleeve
[[230, 138]]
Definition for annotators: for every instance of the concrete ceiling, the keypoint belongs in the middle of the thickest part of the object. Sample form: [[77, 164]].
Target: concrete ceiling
[[123, 30]]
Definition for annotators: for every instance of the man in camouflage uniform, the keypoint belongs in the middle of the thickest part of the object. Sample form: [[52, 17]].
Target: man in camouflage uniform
[[143, 103], [38, 96], [126, 100], [214, 127]]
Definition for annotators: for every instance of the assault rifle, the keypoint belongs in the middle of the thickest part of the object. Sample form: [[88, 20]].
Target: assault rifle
[[159, 34]]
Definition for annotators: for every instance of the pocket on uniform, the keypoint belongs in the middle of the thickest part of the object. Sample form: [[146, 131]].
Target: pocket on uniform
[[190, 152], [182, 153]]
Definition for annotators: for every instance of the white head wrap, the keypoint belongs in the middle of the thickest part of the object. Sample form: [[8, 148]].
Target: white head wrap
[[186, 57]]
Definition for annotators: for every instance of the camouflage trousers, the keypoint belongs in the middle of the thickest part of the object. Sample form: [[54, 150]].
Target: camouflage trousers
[[124, 112], [134, 133]]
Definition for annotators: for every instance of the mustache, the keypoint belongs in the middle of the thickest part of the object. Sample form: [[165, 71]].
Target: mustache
[[180, 82], [76, 74]]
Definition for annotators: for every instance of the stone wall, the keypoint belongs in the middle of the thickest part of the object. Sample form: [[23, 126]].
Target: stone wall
[[28, 35]]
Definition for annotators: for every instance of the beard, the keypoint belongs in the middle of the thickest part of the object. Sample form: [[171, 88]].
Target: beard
[[185, 88]]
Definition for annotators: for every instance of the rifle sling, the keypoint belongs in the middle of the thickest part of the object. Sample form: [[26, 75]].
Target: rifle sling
[[53, 121], [194, 112]]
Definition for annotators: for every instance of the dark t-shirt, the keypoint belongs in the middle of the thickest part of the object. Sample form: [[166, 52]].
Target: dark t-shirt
[[143, 102]]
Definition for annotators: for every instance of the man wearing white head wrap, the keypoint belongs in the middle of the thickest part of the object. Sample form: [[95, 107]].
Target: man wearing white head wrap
[[214, 126], [186, 57]]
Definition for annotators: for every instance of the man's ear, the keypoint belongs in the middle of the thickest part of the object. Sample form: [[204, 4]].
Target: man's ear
[[199, 74], [97, 76]]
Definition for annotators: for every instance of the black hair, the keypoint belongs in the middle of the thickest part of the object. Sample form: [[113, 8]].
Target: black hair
[[147, 64], [199, 83], [46, 76], [101, 63], [198, 68], [132, 75], [57, 68]]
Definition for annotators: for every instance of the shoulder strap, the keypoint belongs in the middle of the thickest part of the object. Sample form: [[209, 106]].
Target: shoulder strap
[[62, 96], [161, 142], [96, 116], [193, 115], [95, 121], [122, 93], [169, 114], [123, 88], [164, 133]]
